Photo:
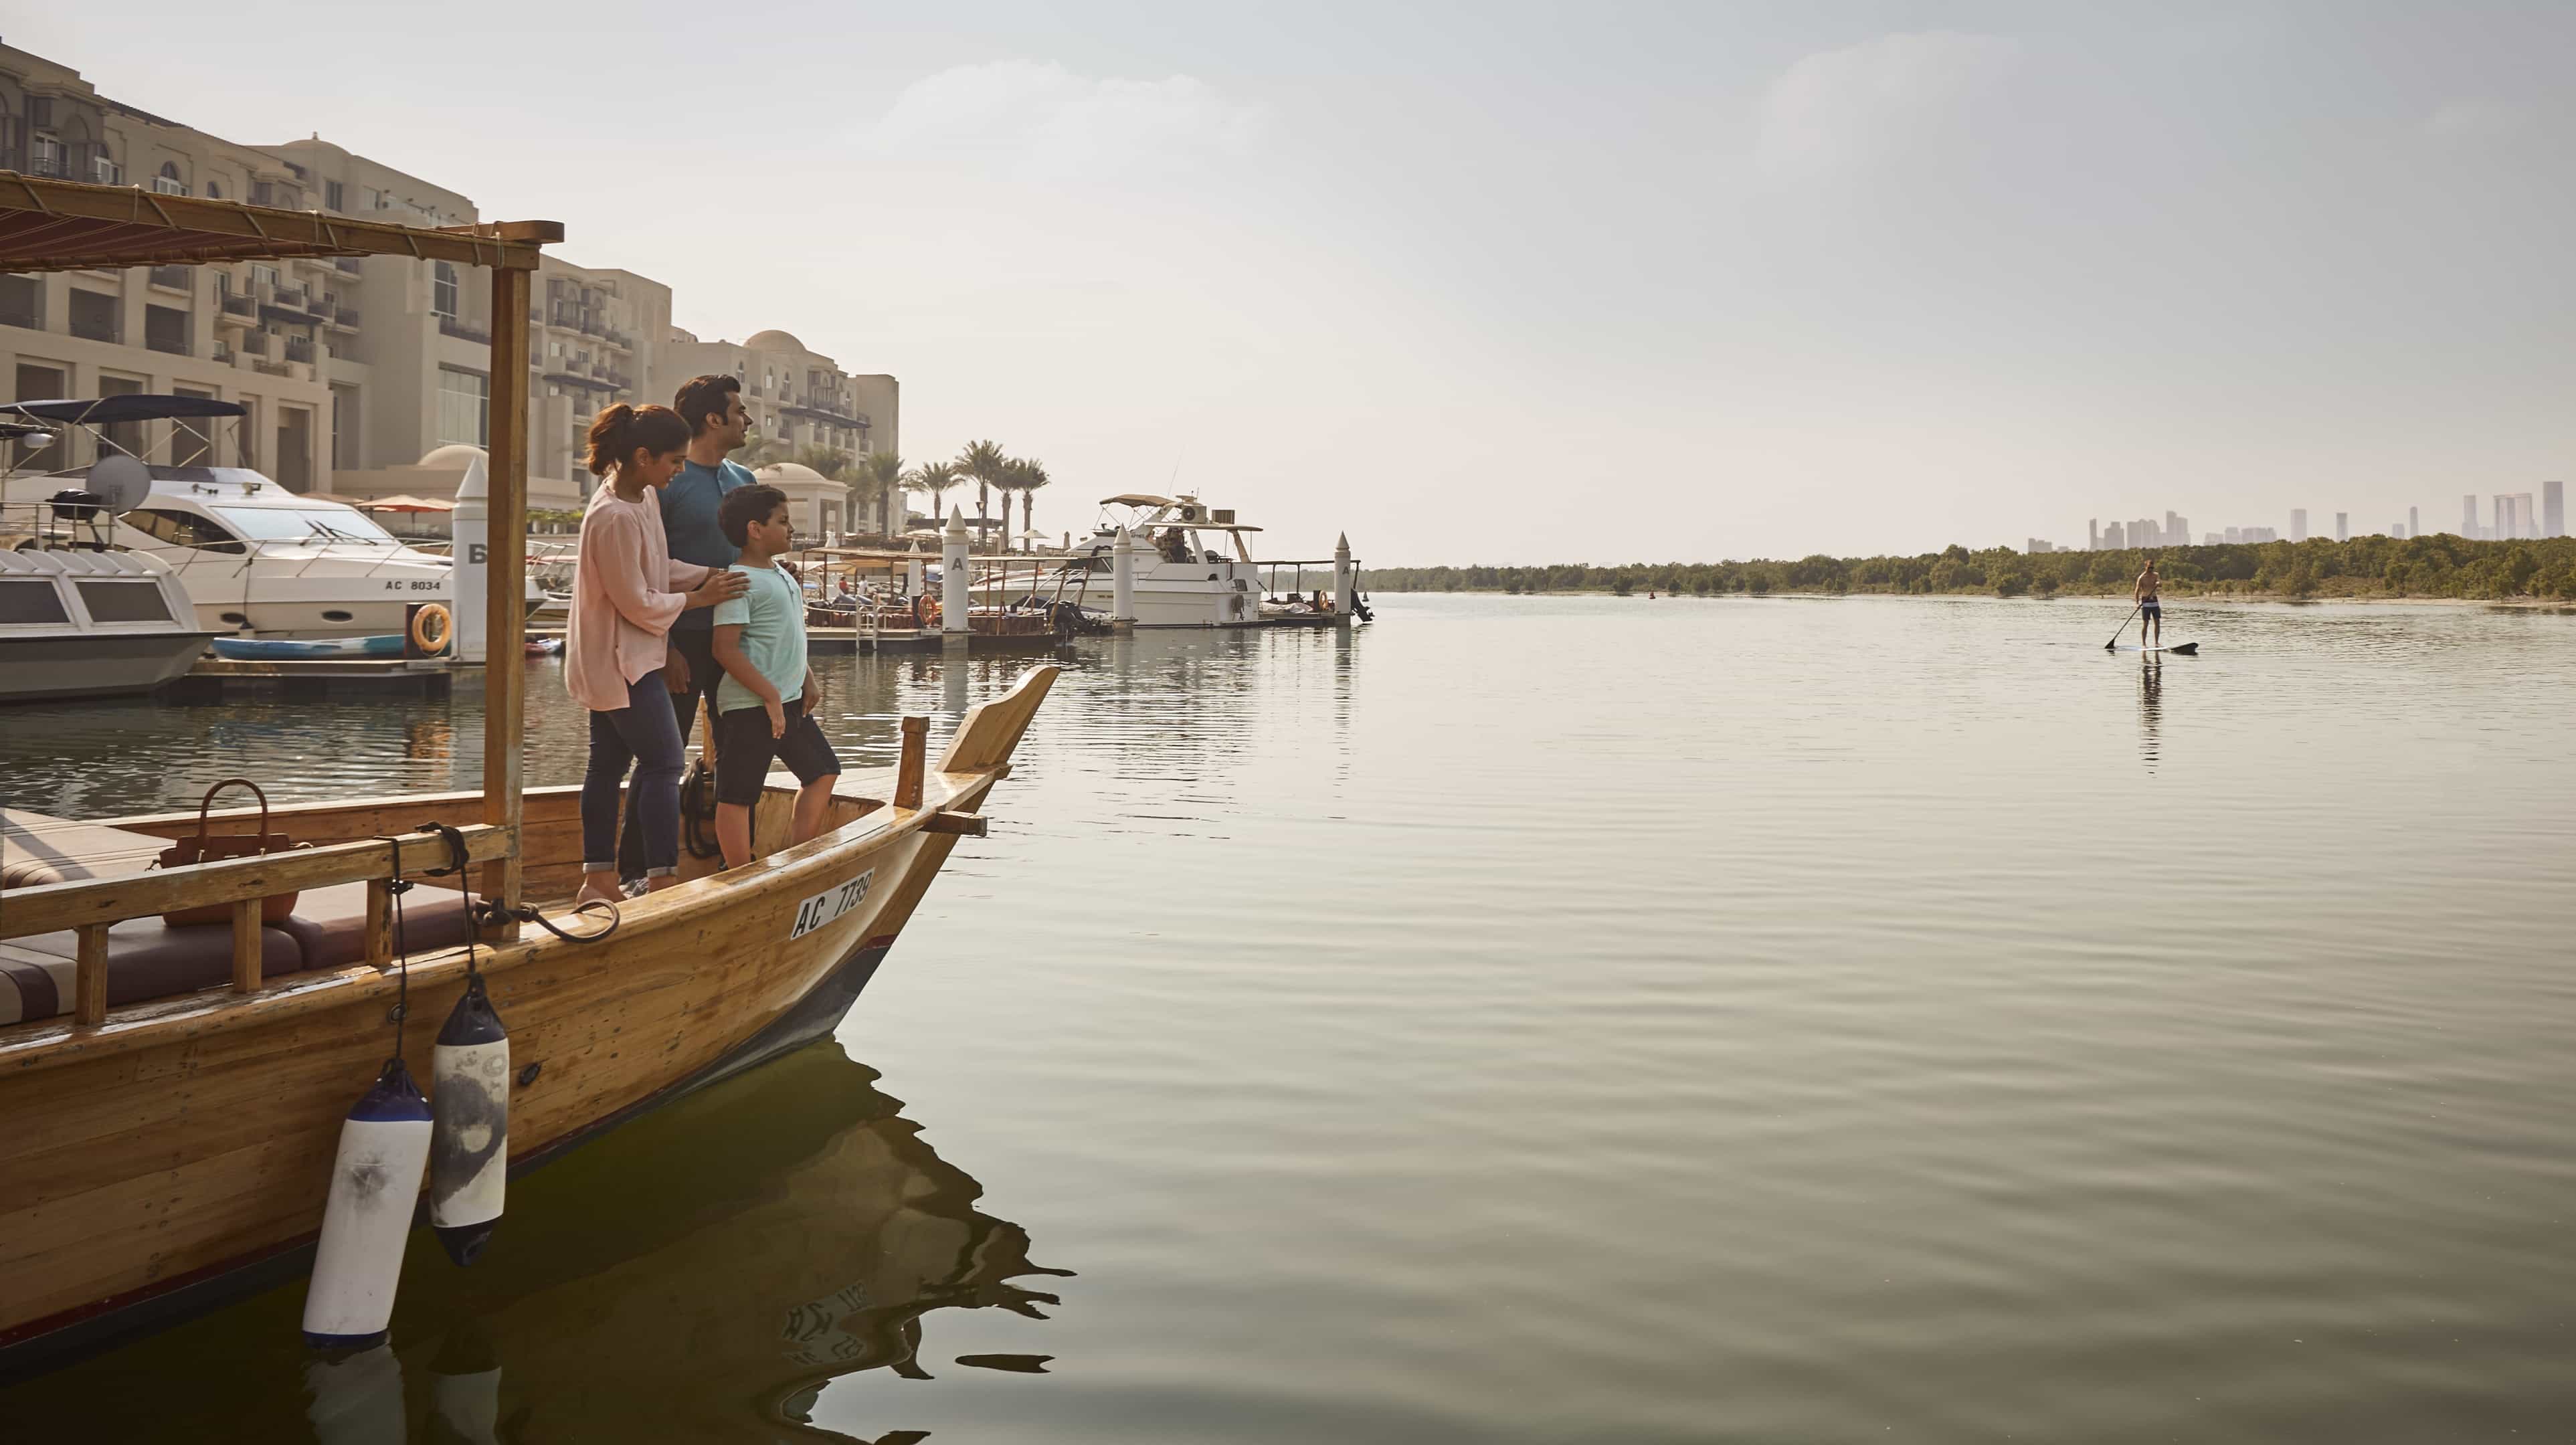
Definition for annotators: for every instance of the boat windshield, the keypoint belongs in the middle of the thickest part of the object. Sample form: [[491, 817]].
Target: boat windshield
[[304, 524]]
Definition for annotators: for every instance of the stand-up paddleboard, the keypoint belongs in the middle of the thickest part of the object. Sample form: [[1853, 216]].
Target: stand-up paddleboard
[[2187, 649]]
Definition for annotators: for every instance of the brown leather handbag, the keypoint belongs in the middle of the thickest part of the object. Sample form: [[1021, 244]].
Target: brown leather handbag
[[209, 849]]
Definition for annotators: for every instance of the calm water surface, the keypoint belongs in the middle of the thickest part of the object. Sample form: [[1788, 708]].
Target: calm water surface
[[1567, 1020]]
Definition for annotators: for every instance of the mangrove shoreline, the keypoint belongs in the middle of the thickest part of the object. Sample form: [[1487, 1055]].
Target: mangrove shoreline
[[2439, 568]]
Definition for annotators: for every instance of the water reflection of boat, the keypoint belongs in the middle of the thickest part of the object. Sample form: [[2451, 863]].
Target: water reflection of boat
[[704, 1274]]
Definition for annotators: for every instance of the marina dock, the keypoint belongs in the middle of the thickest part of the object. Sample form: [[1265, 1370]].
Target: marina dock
[[216, 677]]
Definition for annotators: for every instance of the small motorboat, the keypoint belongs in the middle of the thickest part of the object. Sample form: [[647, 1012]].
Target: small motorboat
[[307, 649]]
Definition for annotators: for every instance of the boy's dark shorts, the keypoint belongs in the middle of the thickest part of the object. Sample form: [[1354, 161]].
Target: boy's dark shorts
[[744, 749]]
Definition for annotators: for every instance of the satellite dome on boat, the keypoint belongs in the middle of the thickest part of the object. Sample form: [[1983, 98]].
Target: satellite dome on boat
[[453, 457]]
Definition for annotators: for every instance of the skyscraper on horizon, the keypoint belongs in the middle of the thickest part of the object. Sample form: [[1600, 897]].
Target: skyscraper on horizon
[[2553, 509], [2414, 524], [2112, 538], [2343, 531], [2298, 524], [2469, 516], [2093, 535]]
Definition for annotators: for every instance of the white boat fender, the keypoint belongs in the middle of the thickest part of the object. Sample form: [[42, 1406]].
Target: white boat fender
[[375, 1186], [469, 1149]]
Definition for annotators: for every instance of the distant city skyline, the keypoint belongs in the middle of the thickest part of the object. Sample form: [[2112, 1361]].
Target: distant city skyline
[[2507, 515]]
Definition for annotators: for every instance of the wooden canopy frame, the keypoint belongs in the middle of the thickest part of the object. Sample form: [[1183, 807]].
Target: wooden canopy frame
[[50, 225]]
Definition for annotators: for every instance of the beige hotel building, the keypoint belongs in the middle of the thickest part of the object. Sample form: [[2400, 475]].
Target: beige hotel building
[[366, 377]]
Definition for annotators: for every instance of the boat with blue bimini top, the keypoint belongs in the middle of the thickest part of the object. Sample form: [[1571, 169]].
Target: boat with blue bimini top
[[190, 1002], [256, 558], [79, 616]]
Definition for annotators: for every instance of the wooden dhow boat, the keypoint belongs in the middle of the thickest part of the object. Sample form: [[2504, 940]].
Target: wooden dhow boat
[[170, 1096]]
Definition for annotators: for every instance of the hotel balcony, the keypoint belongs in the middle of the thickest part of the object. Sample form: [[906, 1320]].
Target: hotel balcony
[[235, 309], [347, 266], [344, 317], [224, 353], [175, 278], [266, 367], [451, 326], [300, 348]]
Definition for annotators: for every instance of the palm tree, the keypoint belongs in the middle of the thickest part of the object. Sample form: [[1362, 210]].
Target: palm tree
[[826, 462], [881, 473], [1014, 472], [986, 463], [1032, 475], [936, 478]]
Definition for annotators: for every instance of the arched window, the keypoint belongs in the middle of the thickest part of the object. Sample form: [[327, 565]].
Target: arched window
[[214, 192], [168, 182], [170, 169]]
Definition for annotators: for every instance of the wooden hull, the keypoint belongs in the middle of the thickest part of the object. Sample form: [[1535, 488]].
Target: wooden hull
[[191, 1139], [768, 1239]]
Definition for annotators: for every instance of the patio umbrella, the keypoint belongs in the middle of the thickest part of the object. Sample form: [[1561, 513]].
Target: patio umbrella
[[405, 504]]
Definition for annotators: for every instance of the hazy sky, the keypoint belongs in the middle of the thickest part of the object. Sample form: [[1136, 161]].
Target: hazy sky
[[1528, 283]]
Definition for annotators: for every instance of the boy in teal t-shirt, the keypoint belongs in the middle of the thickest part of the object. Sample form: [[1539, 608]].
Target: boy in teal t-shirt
[[763, 706]]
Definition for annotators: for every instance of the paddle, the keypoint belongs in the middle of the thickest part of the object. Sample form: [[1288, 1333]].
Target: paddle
[[2124, 626]]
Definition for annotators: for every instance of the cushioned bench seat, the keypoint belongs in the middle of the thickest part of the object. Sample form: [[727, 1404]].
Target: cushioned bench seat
[[147, 960]]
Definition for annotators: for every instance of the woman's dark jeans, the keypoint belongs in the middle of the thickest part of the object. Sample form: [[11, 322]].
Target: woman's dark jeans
[[645, 734]]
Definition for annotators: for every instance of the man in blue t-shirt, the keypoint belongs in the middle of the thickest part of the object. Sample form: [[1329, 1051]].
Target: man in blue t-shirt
[[712, 406]]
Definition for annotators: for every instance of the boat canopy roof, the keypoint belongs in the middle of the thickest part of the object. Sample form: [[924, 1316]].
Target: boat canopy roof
[[53, 225], [135, 406], [1137, 499], [1200, 526]]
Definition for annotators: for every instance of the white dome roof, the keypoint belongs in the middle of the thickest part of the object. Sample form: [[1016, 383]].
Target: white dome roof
[[774, 341], [455, 456], [789, 472]]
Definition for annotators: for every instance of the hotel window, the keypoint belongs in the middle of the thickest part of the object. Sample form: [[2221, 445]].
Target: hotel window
[[167, 183], [45, 156], [22, 302], [464, 406], [331, 196], [443, 291]]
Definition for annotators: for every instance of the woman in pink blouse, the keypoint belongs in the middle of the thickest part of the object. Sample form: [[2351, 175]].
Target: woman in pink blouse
[[623, 606]]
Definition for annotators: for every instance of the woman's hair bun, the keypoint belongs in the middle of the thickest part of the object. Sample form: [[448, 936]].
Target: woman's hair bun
[[620, 431]]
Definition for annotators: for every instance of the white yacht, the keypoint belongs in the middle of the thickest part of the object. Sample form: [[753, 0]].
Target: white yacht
[[79, 618], [255, 558], [1194, 567]]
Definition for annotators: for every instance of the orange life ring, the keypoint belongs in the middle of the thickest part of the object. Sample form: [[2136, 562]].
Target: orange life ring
[[430, 627]]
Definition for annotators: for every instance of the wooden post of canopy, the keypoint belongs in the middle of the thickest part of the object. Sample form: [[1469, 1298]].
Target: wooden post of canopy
[[505, 577]]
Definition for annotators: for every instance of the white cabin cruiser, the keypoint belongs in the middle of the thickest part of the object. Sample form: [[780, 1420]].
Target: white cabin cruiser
[[77, 617], [1194, 566], [255, 558], [1185, 576]]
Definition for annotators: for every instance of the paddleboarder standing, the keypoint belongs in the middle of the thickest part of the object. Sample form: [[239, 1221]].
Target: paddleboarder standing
[[2150, 615]]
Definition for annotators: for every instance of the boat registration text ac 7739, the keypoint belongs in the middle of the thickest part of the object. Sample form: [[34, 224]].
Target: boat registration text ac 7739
[[830, 904]]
